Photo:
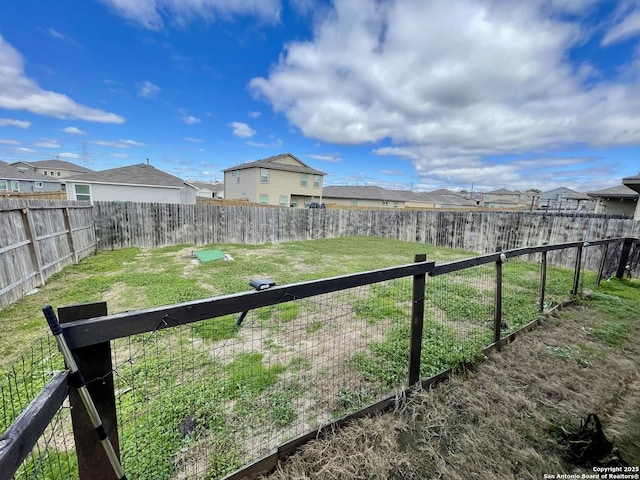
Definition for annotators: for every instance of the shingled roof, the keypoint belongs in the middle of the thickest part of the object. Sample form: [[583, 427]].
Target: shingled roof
[[272, 163], [7, 172], [140, 174], [56, 165], [619, 191]]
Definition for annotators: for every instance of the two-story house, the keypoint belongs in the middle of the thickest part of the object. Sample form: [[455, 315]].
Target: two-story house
[[51, 168], [13, 180], [282, 180], [506, 199]]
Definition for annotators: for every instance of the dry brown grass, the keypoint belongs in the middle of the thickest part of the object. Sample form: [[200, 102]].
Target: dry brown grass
[[501, 421]]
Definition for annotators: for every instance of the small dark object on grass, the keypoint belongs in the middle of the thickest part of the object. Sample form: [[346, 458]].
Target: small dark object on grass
[[590, 447]]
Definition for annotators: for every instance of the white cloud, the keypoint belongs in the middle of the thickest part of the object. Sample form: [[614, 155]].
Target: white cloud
[[56, 34], [8, 141], [254, 114], [47, 143], [120, 155], [629, 26], [74, 131], [17, 92], [194, 140], [8, 122], [147, 89], [326, 158], [242, 130], [152, 14], [69, 155], [118, 144], [25, 150], [190, 120], [448, 85]]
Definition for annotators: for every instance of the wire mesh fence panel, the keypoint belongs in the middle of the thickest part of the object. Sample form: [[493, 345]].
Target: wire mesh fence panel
[[458, 317], [53, 456], [200, 400], [520, 294], [559, 282]]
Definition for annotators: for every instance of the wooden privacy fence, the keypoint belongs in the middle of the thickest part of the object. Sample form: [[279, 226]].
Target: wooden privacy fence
[[38, 240], [90, 334], [127, 224]]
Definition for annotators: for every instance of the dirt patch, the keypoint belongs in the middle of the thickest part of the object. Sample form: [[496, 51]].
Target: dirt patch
[[504, 420]]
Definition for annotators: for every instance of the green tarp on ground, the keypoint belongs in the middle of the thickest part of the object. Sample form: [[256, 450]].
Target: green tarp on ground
[[209, 255]]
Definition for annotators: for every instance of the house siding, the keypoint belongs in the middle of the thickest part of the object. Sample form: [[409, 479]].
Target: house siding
[[280, 183], [128, 193]]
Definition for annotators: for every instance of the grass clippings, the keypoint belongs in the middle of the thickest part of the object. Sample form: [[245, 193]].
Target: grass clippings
[[506, 419]]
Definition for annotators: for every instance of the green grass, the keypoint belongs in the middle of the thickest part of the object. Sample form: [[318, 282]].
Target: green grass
[[226, 401]]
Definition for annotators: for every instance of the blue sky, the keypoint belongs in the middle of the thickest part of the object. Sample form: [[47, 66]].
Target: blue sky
[[402, 94]]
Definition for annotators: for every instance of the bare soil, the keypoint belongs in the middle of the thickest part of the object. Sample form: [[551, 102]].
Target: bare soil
[[507, 419]]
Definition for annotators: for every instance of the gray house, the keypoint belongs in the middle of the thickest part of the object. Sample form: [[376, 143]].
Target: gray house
[[135, 183], [618, 200], [51, 168], [634, 184], [13, 180], [562, 198]]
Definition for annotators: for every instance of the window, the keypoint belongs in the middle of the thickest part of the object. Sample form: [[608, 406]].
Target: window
[[303, 180], [283, 200], [83, 192], [307, 202], [51, 173], [38, 184], [58, 174], [237, 175], [385, 202], [396, 204], [264, 175], [317, 180], [354, 201], [264, 198], [3, 185], [45, 172], [15, 186]]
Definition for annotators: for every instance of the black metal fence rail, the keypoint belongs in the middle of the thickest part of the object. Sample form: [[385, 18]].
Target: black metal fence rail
[[417, 302]]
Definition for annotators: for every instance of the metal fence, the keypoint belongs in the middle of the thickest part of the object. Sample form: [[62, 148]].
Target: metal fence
[[184, 392]]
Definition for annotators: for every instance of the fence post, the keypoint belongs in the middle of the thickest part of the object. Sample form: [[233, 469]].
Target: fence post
[[497, 308], [94, 362], [603, 262], [34, 246], [417, 322], [624, 257], [576, 273], [543, 280]]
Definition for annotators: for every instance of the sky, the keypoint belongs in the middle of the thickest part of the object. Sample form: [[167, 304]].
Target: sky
[[406, 94]]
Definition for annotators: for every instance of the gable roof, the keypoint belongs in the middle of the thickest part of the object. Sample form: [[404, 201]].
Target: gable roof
[[556, 191], [502, 191], [373, 192], [55, 164], [619, 191], [272, 163], [138, 175], [8, 172], [632, 182]]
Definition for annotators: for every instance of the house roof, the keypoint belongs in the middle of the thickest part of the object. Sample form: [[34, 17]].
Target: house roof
[[213, 187], [139, 175], [619, 191], [8, 172], [502, 191], [272, 163], [373, 192], [554, 192], [632, 182], [56, 164]]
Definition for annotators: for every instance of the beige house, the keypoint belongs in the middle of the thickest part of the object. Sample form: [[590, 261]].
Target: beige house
[[281, 180], [51, 168], [618, 200], [507, 199]]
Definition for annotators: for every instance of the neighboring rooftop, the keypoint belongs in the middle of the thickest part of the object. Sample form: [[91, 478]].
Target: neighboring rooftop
[[276, 164], [55, 165], [8, 172], [213, 187], [619, 191], [140, 174]]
